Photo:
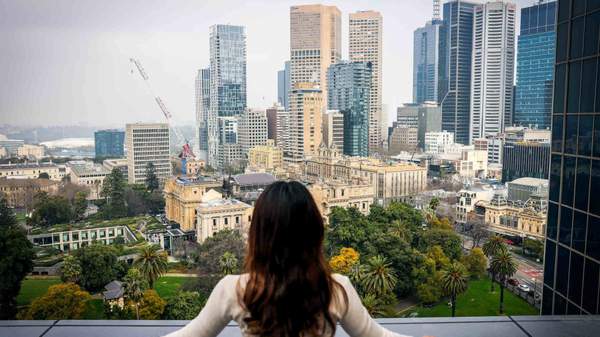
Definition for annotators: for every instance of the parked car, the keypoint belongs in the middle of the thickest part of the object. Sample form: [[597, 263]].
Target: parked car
[[513, 282], [524, 288]]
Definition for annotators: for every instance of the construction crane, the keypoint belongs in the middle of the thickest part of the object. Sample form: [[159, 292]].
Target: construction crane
[[186, 152]]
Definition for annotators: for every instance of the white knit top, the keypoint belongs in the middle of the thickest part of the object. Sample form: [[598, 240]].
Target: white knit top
[[223, 306]]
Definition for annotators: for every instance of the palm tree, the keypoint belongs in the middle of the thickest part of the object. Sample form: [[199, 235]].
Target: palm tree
[[228, 263], [379, 278], [454, 281], [373, 305], [503, 265], [152, 263], [491, 248], [134, 285]]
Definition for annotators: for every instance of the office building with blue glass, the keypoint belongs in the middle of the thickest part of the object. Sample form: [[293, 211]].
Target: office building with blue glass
[[284, 85], [535, 66], [348, 90], [109, 143], [426, 62]]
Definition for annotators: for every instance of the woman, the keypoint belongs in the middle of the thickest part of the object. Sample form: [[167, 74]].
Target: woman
[[288, 290]]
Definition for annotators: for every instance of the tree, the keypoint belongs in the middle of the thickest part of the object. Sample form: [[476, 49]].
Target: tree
[[491, 248], [134, 286], [379, 276], [51, 210], [477, 230], [454, 282], [98, 266], [70, 271], [151, 305], [79, 205], [434, 203], [185, 305], [16, 260], [475, 262], [344, 261], [430, 291], [448, 240], [44, 175], [151, 178], [503, 265], [113, 191], [228, 263], [152, 263], [534, 247], [211, 250], [373, 305], [436, 254], [62, 301]]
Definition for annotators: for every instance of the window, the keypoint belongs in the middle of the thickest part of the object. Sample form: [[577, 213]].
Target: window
[[568, 181], [582, 184], [562, 32], [560, 305], [562, 270], [588, 85], [554, 188], [592, 26], [577, 37], [84, 235], [575, 278], [65, 236], [566, 221], [102, 233], [75, 236], [595, 186], [593, 238], [94, 233], [574, 87], [557, 136], [579, 226], [590, 286], [596, 136]]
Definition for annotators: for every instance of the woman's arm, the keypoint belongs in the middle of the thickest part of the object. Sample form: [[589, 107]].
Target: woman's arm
[[357, 321], [214, 316]]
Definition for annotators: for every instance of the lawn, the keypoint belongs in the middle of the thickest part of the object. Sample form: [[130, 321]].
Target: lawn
[[479, 301], [32, 288], [167, 286]]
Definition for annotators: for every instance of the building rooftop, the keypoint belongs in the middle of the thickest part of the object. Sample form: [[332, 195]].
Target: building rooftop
[[502, 326], [529, 181], [222, 202], [88, 168], [5, 182], [27, 165], [254, 179], [188, 181]]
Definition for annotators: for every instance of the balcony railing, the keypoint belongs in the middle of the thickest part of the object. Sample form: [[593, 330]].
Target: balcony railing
[[501, 326]]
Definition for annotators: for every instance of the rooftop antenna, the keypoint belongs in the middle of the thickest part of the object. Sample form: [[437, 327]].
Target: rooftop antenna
[[436, 9]]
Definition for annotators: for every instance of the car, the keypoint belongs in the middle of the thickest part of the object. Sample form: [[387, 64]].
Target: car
[[524, 288], [513, 282]]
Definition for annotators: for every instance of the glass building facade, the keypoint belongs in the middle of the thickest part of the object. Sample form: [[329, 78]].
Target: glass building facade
[[535, 65], [572, 254], [348, 91], [109, 143], [202, 108], [456, 47], [284, 85], [426, 62]]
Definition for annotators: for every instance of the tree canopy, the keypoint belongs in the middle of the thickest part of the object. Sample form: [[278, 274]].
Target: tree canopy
[[62, 301], [98, 266]]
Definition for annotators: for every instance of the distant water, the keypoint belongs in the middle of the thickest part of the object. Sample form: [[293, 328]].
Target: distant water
[[69, 143]]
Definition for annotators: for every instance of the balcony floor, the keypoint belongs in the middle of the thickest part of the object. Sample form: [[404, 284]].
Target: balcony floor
[[542, 326]]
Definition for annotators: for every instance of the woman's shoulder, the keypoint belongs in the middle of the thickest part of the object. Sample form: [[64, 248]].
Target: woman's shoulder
[[341, 279]]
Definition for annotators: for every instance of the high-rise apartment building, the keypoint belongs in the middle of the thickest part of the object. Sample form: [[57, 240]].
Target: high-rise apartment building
[[456, 48], [306, 106], [272, 113], [333, 129], [284, 85], [315, 44], [492, 68], [109, 143], [426, 57], [202, 111], [252, 130], [227, 81], [535, 65], [349, 89], [282, 140], [365, 45], [572, 251], [147, 143]]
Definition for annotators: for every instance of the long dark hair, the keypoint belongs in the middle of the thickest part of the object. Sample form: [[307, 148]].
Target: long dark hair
[[290, 288]]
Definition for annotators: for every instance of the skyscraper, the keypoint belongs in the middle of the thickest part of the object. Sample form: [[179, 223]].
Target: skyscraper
[[365, 45], [426, 62], [333, 129], [147, 143], [109, 143], [284, 86], [349, 89], [535, 65], [202, 111], [315, 43], [227, 80], [272, 117], [493, 68], [306, 106], [455, 68], [572, 252], [252, 130]]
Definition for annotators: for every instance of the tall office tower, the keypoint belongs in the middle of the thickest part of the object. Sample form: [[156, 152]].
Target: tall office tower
[[456, 47], [426, 57], [365, 45], [572, 254], [282, 139], [315, 43], [349, 89], [227, 81], [229, 150], [147, 143], [284, 85], [426, 117], [272, 113], [493, 68], [333, 129], [306, 106], [535, 65], [109, 143], [252, 130], [202, 111]]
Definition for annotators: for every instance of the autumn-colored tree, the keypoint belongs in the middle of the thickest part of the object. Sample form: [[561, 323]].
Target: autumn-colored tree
[[152, 306], [70, 271], [475, 262], [61, 301], [344, 261]]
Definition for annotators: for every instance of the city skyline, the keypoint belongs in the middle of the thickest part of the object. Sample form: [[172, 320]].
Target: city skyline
[[78, 65]]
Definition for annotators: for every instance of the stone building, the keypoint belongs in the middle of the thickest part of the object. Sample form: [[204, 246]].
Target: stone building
[[182, 198]]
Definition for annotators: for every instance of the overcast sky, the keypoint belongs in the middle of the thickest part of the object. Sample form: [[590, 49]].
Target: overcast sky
[[66, 62]]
